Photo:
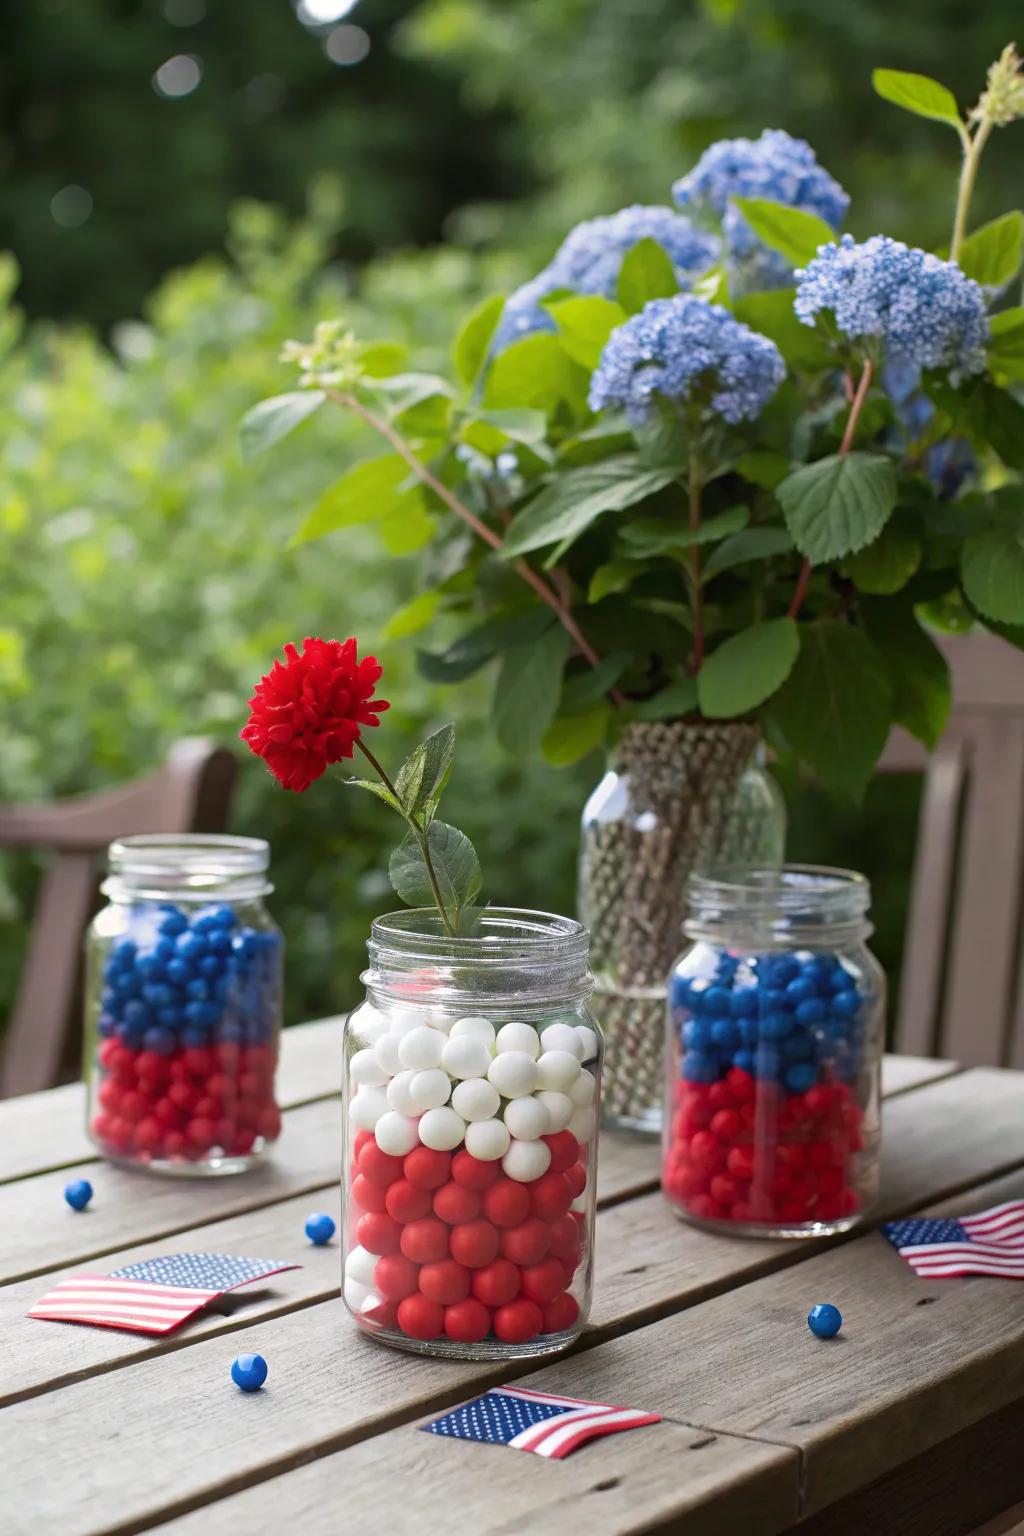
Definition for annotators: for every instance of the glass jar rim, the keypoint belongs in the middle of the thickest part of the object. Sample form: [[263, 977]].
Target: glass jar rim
[[190, 866], [787, 901]]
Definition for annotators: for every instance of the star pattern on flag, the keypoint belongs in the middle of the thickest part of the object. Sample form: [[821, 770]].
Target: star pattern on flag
[[536, 1421]]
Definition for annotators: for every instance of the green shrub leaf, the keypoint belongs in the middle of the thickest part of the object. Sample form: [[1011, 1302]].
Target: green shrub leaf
[[837, 505], [413, 616], [750, 544], [571, 737], [474, 339], [658, 536], [993, 574], [566, 507], [646, 273], [773, 315], [918, 671], [368, 491], [676, 699], [584, 325], [747, 668], [795, 234], [527, 691], [886, 565], [537, 373], [992, 255], [1006, 343], [918, 94], [273, 419], [422, 777], [455, 863]]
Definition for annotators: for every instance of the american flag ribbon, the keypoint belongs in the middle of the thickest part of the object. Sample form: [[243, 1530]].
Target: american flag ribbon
[[154, 1296], [987, 1243], [536, 1421]]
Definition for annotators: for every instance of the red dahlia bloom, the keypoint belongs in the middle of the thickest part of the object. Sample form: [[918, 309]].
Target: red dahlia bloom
[[308, 711]]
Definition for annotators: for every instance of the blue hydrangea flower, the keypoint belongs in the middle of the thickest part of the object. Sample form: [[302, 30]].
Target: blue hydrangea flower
[[682, 348], [774, 166], [924, 310], [948, 462], [589, 259]]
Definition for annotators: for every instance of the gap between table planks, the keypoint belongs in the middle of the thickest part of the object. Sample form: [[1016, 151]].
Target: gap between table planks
[[396, 1386]]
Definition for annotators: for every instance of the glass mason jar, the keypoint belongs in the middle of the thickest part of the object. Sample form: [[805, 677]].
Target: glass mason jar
[[183, 1006], [471, 1098], [775, 1038], [680, 797]]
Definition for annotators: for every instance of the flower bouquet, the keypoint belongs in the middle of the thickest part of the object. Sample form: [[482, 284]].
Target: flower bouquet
[[717, 471]]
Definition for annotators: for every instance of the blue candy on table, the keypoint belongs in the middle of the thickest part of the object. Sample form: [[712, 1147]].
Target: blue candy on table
[[824, 1320], [319, 1228], [78, 1194], [249, 1372]]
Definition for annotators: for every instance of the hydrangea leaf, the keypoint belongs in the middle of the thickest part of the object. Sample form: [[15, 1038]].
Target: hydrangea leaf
[[646, 273], [369, 490], [678, 698], [584, 325], [527, 690], [838, 504], [772, 314], [473, 341], [747, 668], [537, 373], [406, 525], [566, 507], [1006, 343], [455, 864], [658, 536], [613, 576], [792, 232], [835, 708], [422, 777], [992, 254], [992, 567], [413, 616], [589, 686], [476, 647], [273, 419], [401, 392], [918, 671], [750, 544], [886, 565], [571, 737], [918, 94]]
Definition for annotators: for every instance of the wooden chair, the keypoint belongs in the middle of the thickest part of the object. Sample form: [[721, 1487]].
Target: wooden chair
[[190, 793], [962, 985]]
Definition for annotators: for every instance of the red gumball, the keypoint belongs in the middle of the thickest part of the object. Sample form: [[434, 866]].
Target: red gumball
[[518, 1322], [202, 1133], [740, 1161], [720, 1096], [107, 1053], [472, 1173], [577, 1177], [507, 1203], [242, 1142], [134, 1106], [109, 1094], [119, 1134], [378, 1233], [742, 1085], [427, 1169], [168, 1114], [175, 1145], [269, 1123], [420, 1318], [552, 1194], [184, 1096], [149, 1135], [496, 1283], [362, 1139], [403, 1202], [528, 1243], [395, 1276], [424, 1241], [222, 1086], [724, 1189], [707, 1152], [560, 1313], [564, 1237], [199, 1060], [542, 1282], [726, 1125], [563, 1146], [455, 1204], [445, 1281], [378, 1165], [467, 1322], [474, 1243], [228, 1055], [368, 1196]]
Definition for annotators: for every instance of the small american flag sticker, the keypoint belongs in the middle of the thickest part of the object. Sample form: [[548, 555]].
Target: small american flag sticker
[[154, 1296], [536, 1421], [988, 1243]]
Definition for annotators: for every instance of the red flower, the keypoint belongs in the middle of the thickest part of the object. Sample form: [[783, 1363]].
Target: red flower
[[307, 712]]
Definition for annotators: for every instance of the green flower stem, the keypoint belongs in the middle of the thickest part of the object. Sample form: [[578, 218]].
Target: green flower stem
[[469, 517], [697, 598], [968, 175], [420, 835], [856, 406]]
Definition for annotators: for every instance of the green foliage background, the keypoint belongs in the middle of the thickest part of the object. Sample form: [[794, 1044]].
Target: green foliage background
[[145, 577]]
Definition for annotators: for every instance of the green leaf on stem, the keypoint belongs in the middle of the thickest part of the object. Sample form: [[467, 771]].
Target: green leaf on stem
[[566, 507], [992, 254], [380, 790], [796, 235], [588, 687], [474, 339], [527, 690], [747, 668], [838, 504], [918, 94], [676, 699], [646, 273], [886, 565], [773, 315], [613, 576], [474, 649], [571, 737], [992, 568], [366, 492], [402, 392], [1006, 343], [658, 536], [273, 419], [918, 671], [835, 708], [422, 777], [537, 373], [406, 525], [413, 616], [750, 544], [584, 325], [517, 426], [456, 869]]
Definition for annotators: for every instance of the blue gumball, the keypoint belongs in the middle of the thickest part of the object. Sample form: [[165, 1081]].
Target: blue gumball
[[219, 940], [697, 1035], [135, 1013], [799, 990], [231, 1031], [824, 1320], [725, 1034], [698, 1068], [776, 1026], [750, 1031], [173, 922], [679, 991], [846, 1003], [745, 1060], [801, 1076], [177, 971], [249, 1372], [197, 990], [122, 956], [716, 1001], [78, 1194], [778, 970], [767, 1062], [161, 1041], [799, 1046], [106, 1026], [210, 966], [811, 1011], [319, 1228], [191, 1036], [819, 969], [743, 1002]]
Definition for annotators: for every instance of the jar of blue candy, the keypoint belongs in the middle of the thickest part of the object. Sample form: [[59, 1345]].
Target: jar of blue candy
[[183, 1006], [775, 1037]]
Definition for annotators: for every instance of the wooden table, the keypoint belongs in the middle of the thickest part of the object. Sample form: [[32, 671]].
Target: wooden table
[[909, 1423]]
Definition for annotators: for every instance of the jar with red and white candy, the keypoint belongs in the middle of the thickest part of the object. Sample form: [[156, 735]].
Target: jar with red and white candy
[[183, 1006], [775, 1036], [471, 1106]]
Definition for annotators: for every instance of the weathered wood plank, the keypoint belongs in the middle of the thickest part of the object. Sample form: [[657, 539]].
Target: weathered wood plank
[[901, 1073], [667, 1476]]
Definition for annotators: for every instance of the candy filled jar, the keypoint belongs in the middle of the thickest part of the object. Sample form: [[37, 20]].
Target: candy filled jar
[[775, 1036], [471, 1106], [183, 1006]]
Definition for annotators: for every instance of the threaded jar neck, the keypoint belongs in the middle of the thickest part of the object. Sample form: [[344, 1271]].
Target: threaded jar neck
[[182, 866], [797, 905]]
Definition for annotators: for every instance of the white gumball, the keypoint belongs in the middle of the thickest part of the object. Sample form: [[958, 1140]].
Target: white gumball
[[487, 1140], [583, 1124], [429, 1090], [473, 1029], [399, 1093], [421, 1048], [476, 1099], [441, 1129], [557, 1070], [466, 1056], [360, 1266], [366, 1070], [386, 1052], [527, 1119], [402, 1020], [366, 1108], [517, 1037], [583, 1089], [441, 1024], [367, 1024], [562, 1037], [588, 1039], [559, 1107], [396, 1134], [356, 1294], [527, 1160], [513, 1073]]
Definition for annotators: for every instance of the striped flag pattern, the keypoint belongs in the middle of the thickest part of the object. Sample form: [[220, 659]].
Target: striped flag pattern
[[537, 1422], [154, 1296], [987, 1243]]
